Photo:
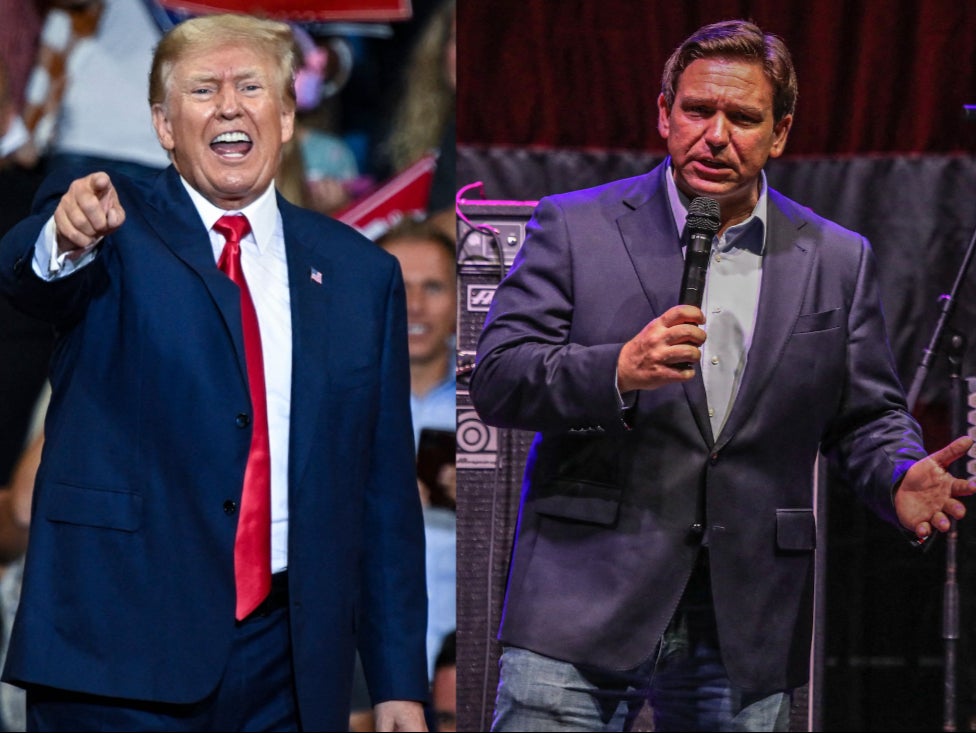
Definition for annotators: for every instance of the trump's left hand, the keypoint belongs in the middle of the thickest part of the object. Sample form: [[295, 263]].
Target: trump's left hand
[[397, 715]]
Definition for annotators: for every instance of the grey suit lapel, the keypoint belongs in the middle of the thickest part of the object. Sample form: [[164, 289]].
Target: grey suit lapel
[[651, 238], [787, 266], [649, 234]]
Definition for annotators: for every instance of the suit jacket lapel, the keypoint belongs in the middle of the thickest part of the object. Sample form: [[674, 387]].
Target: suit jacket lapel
[[312, 302], [787, 264], [648, 231], [653, 243], [175, 221]]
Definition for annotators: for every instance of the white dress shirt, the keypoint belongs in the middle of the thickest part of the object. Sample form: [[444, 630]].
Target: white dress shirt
[[266, 271]]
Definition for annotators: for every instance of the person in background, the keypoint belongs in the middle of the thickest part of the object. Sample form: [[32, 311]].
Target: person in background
[[319, 170], [666, 537], [423, 121], [94, 61], [19, 40], [427, 261], [15, 512], [25, 343], [207, 553], [444, 687]]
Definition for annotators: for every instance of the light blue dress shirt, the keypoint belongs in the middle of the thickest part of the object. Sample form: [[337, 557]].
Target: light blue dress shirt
[[730, 301], [437, 409]]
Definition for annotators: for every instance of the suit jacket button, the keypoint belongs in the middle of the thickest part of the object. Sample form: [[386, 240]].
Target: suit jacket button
[[230, 507], [713, 459], [243, 420]]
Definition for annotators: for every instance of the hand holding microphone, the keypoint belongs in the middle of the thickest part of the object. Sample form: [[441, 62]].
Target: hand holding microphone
[[662, 352]]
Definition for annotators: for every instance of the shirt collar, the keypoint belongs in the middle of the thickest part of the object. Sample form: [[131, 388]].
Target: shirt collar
[[261, 213], [749, 234]]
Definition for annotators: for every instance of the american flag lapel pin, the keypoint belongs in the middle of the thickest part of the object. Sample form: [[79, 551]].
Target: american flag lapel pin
[[315, 276]]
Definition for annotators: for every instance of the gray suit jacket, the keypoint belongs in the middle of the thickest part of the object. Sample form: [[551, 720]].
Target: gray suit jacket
[[613, 503]]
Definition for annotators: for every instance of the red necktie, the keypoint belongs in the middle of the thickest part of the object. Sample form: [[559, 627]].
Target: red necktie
[[252, 548]]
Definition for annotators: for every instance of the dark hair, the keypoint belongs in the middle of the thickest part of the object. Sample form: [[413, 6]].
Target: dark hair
[[418, 229], [447, 656], [737, 39]]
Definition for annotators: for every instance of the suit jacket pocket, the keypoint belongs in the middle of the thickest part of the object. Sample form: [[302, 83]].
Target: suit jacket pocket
[[581, 501], [823, 321], [796, 529], [88, 507]]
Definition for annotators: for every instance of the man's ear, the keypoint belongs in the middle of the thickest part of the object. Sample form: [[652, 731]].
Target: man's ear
[[781, 131], [287, 123], [164, 130], [663, 117]]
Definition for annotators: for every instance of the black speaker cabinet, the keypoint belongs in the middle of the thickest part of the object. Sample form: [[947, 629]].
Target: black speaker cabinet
[[489, 462]]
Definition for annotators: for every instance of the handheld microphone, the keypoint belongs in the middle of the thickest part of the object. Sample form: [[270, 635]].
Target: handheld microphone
[[701, 225]]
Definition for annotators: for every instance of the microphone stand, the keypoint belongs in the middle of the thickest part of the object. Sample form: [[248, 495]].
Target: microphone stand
[[950, 593], [950, 611], [948, 307]]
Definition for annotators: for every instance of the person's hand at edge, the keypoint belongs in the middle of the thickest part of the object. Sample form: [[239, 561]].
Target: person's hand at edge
[[399, 715], [925, 501]]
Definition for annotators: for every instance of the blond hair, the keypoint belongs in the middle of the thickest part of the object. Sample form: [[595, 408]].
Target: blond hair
[[428, 100], [211, 31]]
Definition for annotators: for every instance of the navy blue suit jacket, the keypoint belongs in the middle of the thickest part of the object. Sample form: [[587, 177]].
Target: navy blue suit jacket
[[614, 505], [128, 588]]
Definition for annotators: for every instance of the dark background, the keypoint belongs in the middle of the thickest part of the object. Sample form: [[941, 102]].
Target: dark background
[[556, 95], [876, 76]]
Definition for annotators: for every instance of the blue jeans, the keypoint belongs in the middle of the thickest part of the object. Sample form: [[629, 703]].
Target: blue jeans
[[685, 683]]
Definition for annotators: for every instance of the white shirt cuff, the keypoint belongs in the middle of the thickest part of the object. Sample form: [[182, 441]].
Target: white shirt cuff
[[48, 264]]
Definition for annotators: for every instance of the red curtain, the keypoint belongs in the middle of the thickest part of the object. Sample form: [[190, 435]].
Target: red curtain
[[875, 76]]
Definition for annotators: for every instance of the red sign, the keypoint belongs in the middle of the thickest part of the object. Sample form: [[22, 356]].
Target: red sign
[[301, 10], [404, 195]]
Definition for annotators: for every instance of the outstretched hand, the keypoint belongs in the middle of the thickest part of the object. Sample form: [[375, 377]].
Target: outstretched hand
[[925, 501], [88, 211]]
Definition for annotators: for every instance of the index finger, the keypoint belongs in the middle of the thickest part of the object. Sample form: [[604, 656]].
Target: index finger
[[682, 314], [100, 181], [952, 452], [108, 200]]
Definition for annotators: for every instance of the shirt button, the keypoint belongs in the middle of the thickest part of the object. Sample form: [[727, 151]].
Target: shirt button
[[243, 420], [230, 507], [718, 258], [714, 360], [711, 412]]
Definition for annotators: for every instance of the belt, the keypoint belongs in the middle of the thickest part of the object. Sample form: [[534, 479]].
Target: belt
[[277, 597]]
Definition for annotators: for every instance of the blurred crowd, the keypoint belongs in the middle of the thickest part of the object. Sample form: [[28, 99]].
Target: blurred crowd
[[374, 147]]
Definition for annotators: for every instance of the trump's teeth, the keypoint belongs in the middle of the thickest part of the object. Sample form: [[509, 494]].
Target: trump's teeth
[[232, 137]]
